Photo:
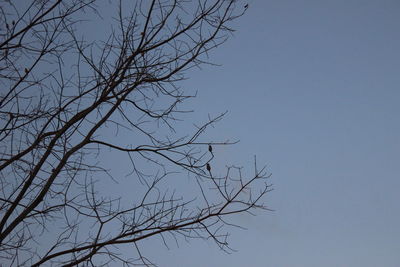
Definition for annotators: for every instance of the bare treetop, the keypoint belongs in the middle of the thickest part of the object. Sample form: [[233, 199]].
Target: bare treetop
[[69, 99]]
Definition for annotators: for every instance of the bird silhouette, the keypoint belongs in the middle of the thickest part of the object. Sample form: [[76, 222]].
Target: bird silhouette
[[208, 167], [246, 6], [210, 148]]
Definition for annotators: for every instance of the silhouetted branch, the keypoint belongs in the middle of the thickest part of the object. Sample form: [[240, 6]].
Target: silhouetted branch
[[71, 100]]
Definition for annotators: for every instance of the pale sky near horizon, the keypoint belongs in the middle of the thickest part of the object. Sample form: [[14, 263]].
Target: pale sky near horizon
[[312, 89]]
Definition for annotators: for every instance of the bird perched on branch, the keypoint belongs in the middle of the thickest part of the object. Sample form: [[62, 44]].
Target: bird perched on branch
[[208, 167], [246, 6], [210, 148]]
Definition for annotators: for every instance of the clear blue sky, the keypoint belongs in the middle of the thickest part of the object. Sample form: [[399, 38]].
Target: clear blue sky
[[312, 88]]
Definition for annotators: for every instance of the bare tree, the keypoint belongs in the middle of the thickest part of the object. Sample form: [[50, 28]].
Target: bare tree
[[70, 101]]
